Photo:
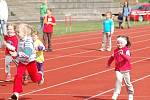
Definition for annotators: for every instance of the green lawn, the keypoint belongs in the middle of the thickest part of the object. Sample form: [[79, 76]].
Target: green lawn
[[86, 26]]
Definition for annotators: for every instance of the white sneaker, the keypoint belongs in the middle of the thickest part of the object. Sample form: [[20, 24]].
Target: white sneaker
[[8, 78], [15, 96], [42, 81], [101, 49], [108, 49], [130, 97], [115, 96]]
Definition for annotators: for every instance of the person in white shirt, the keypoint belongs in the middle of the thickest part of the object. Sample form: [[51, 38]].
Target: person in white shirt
[[3, 19]]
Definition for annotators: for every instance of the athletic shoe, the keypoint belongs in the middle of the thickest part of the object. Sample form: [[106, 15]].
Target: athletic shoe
[[108, 49], [15, 96], [115, 96], [130, 97], [101, 49], [8, 78]]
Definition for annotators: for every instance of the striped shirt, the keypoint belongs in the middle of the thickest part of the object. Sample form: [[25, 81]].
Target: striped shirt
[[26, 50]]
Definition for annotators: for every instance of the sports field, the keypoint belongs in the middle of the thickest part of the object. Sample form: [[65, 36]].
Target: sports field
[[76, 70]]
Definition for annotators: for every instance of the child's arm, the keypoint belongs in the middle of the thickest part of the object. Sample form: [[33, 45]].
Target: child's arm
[[9, 45], [126, 56], [112, 27], [41, 47], [110, 60]]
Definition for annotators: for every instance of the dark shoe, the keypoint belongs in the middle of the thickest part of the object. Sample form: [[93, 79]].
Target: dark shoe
[[15, 96]]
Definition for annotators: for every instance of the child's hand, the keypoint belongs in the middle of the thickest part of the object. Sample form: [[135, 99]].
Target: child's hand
[[121, 52], [13, 53], [40, 48]]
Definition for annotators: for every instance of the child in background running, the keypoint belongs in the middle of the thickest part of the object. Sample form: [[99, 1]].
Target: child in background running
[[11, 44], [121, 56], [108, 30], [39, 47], [49, 22], [27, 60]]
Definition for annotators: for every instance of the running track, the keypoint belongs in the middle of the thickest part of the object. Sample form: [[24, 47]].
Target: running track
[[75, 70]]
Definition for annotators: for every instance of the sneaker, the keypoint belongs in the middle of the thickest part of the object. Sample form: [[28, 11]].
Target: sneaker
[[8, 78], [101, 49], [42, 81], [108, 49], [15, 96], [115, 96], [130, 97]]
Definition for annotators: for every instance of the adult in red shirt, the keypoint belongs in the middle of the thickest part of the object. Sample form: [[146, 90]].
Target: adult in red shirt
[[49, 22]]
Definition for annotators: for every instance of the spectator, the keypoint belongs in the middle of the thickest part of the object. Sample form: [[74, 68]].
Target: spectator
[[43, 9], [3, 19], [126, 14]]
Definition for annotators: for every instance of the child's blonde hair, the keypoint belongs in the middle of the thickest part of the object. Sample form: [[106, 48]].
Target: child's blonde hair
[[26, 29]]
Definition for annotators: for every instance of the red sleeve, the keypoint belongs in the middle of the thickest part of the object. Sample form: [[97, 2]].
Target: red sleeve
[[126, 57], [110, 60], [15, 43], [53, 19]]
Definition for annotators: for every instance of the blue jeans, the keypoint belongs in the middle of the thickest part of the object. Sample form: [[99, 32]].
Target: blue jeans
[[3, 29]]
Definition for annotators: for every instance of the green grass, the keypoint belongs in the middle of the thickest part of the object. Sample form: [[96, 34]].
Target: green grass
[[144, 1], [76, 27], [87, 26]]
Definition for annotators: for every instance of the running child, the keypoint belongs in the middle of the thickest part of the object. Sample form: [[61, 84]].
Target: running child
[[108, 30], [27, 60], [49, 22], [121, 56], [11, 44], [39, 47]]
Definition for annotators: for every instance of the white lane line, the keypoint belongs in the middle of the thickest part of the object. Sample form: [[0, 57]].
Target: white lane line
[[91, 34], [109, 90], [76, 79]]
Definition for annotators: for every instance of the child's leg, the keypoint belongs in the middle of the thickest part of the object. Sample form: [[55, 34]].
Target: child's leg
[[40, 67], [33, 72], [8, 60], [128, 21], [44, 40], [104, 37], [129, 85], [109, 42], [49, 36], [124, 21], [18, 78], [117, 89]]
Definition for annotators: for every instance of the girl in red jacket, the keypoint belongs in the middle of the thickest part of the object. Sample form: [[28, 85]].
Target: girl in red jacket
[[11, 44], [49, 22], [121, 57]]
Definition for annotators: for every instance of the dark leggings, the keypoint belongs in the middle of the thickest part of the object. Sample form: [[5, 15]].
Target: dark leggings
[[47, 37]]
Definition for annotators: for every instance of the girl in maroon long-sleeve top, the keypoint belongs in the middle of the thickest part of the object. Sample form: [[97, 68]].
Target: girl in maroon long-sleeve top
[[121, 56]]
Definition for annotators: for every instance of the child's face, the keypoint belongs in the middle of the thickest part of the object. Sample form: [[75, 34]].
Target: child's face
[[34, 36], [20, 33], [125, 3], [120, 44], [108, 15], [10, 30], [49, 12]]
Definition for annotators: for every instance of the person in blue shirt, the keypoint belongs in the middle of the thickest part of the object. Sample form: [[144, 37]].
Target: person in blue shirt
[[108, 30], [126, 14]]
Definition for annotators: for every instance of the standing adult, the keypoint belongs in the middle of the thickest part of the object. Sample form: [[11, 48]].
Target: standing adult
[[126, 14], [43, 11], [3, 19]]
